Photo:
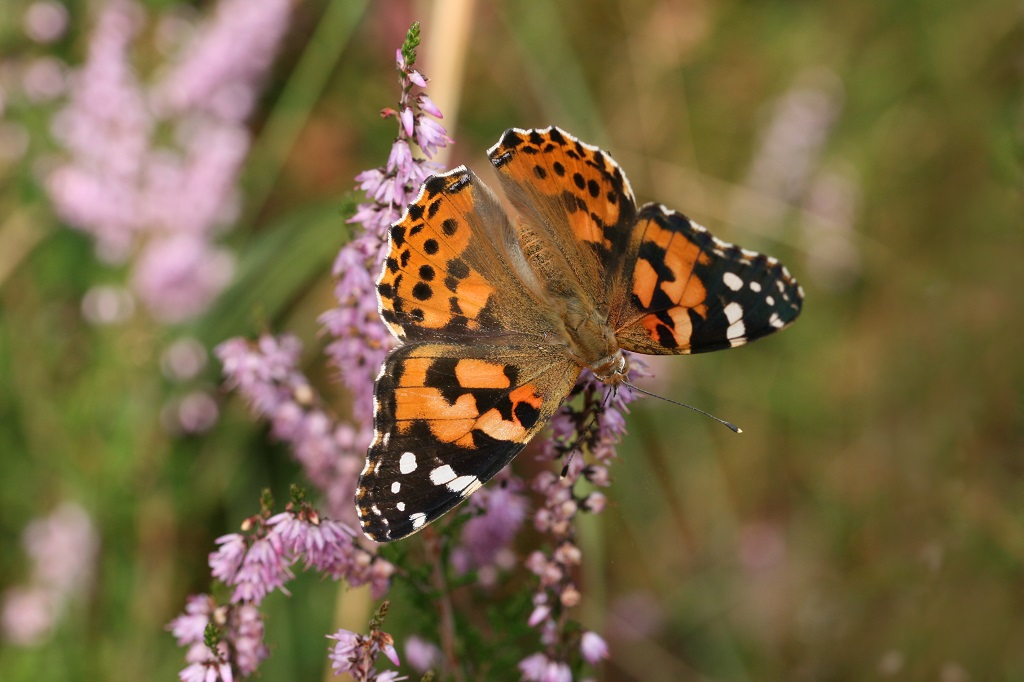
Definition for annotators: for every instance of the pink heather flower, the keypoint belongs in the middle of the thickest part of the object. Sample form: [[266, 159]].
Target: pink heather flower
[[126, 185], [539, 614], [431, 136], [190, 627], [62, 549], [345, 650], [212, 667], [45, 21], [593, 648], [421, 654], [106, 130], [417, 79], [360, 339], [28, 614], [178, 277], [228, 57], [331, 453], [488, 534], [226, 561], [263, 569], [428, 106], [408, 121], [44, 80], [246, 637], [538, 668]]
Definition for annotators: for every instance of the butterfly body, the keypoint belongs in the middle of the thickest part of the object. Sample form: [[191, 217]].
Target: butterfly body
[[497, 317]]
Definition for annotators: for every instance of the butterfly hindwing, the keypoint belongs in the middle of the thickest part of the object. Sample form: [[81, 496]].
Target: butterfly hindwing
[[690, 292], [447, 418]]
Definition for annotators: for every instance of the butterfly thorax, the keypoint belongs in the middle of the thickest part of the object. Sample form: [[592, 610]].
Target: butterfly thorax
[[592, 344]]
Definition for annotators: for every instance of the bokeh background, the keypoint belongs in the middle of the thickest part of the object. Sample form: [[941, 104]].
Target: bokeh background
[[868, 524]]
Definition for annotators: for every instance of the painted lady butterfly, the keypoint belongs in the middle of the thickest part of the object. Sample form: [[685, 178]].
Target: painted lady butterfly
[[498, 318]]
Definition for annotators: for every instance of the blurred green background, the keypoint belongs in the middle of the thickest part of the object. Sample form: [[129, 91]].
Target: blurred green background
[[868, 524]]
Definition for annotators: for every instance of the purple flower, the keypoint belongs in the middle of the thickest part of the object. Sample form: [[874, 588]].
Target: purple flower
[[28, 614], [228, 57], [246, 636], [45, 21], [486, 538], [593, 648], [538, 668], [62, 549], [226, 561], [356, 654], [431, 136], [360, 339], [421, 654], [331, 453], [177, 277], [189, 628], [151, 170]]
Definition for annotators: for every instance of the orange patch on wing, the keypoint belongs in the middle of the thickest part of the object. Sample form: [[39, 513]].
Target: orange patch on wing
[[427, 403], [472, 293], [681, 329], [645, 281], [526, 394], [474, 373], [681, 256], [492, 423], [414, 372], [586, 229]]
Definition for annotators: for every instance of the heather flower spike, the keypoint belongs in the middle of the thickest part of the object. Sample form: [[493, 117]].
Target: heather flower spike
[[360, 339], [357, 654]]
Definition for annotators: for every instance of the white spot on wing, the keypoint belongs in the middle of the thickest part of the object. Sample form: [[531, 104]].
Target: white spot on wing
[[464, 484], [770, 300], [736, 330], [407, 464], [442, 475], [400, 506], [776, 321], [395, 487], [732, 280], [755, 286], [417, 520], [375, 509]]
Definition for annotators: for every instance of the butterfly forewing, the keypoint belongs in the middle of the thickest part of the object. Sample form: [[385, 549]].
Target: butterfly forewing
[[449, 272], [690, 292], [447, 418], [575, 205]]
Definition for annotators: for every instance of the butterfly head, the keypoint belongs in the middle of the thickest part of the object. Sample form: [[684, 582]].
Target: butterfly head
[[612, 369]]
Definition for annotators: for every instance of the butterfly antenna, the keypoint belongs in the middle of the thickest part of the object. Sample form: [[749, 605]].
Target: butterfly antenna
[[733, 427]]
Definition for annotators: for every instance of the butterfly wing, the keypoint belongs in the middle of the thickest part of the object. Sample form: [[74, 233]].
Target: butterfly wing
[[575, 207], [685, 291], [454, 267], [477, 376], [448, 417]]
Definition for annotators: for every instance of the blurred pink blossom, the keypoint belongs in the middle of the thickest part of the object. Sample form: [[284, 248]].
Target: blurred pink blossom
[[45, 21], [151, 170], [62, 549]]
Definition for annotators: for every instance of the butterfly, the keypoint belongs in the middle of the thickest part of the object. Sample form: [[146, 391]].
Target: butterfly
[[498, 316]]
